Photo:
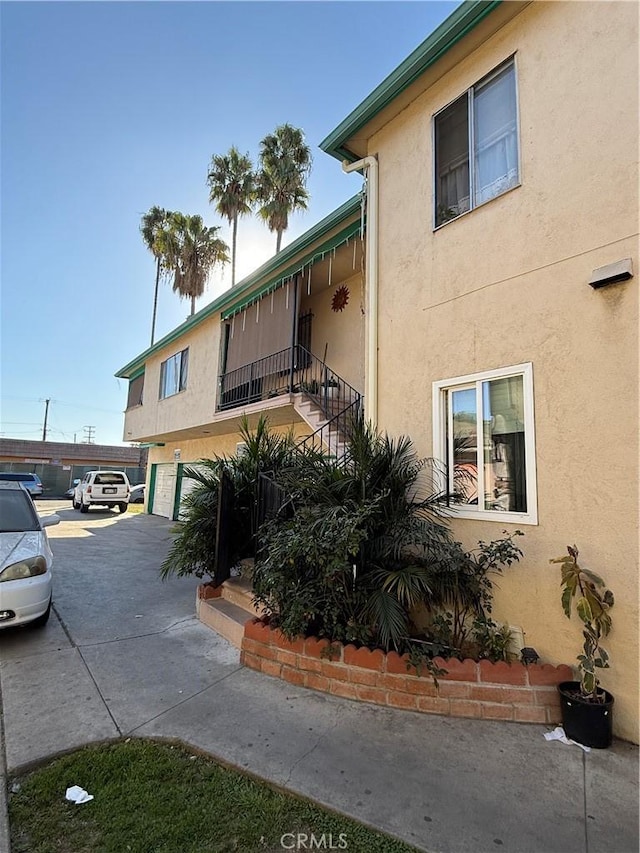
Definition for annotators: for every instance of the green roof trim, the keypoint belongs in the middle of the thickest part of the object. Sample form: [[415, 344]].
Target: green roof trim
[[272, 271], [346, 233], [461, 21]]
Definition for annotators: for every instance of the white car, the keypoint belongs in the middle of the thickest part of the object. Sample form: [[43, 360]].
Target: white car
[[102, 488], [25, 559]]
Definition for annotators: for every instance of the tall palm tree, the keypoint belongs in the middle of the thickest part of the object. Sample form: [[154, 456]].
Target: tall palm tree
[[152, 227], [191, 250], [231, 181], [285, 164]]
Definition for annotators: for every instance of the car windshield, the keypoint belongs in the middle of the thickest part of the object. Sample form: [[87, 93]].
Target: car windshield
[[16, 512]]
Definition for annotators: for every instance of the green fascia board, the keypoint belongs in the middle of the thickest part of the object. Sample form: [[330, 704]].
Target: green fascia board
[[136, 374], [460, 22], [290, 271], [262, 279]]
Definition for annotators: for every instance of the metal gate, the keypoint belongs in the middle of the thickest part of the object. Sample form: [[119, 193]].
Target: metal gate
[[224, 529]]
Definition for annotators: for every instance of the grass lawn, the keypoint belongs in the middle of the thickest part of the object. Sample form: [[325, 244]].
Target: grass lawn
[[156, 798]]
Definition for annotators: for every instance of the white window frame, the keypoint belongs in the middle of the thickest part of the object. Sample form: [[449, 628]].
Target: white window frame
[[163, 370], [441, 428], [511, 60]]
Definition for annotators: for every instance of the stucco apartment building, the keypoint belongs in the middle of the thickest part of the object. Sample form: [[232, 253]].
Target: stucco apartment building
[[480, 295]]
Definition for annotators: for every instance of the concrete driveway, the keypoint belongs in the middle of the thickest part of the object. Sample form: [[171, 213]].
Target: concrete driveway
[[124, 655]]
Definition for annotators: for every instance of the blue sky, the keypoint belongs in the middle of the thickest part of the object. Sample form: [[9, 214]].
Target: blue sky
[[110, 108]]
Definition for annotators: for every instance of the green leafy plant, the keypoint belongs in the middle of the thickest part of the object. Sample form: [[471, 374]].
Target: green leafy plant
[[193, 550], [592, 604]]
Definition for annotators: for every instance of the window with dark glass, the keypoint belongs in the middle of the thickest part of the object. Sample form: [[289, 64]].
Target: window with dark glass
[[136, 387], [476, 145]]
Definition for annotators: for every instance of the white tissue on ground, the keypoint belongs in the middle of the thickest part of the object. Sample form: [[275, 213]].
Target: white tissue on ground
[[77, 795], [558, 734]]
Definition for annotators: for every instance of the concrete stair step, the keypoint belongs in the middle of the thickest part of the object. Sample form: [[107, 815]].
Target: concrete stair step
[[224, 618], [240, 592]]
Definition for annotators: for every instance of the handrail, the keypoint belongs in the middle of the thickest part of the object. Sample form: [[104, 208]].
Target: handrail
[[292, 370], [334, 434]]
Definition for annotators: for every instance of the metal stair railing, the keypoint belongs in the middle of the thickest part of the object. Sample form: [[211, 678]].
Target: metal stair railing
[[334, 434]]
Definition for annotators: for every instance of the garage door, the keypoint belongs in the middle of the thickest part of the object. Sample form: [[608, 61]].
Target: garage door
[[186, 483], [164, 491]]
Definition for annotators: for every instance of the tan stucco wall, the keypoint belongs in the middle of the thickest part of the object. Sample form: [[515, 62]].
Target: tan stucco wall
[[508, 283], [191, 450], [193, 406], [341, 331]]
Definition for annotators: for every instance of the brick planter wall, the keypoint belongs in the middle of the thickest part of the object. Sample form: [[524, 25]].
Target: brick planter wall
[[491, 691]]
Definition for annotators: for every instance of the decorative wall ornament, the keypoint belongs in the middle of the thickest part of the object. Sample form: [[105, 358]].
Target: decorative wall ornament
[[340, 298]]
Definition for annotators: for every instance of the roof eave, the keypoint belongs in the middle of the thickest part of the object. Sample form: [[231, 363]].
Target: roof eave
[[254, 281], [461, 21]]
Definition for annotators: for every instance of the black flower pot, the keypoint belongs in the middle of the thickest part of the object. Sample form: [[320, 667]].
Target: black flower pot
[[588, 723]]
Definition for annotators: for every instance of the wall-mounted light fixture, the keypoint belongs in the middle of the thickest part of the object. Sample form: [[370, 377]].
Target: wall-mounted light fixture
[[611, 273]]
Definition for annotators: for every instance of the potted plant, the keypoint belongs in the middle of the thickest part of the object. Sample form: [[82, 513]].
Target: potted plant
[[587, 709]]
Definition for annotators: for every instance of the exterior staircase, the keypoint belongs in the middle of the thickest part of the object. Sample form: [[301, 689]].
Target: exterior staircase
[[312, 413], [229, 611]]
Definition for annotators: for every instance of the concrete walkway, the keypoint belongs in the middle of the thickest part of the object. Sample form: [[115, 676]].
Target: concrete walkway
[[124, 655]]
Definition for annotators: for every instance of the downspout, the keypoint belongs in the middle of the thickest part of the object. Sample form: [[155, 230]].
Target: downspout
[[370, 163]]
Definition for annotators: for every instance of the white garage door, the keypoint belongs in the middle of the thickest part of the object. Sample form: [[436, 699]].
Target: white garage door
[[187, 483], [164, 493]]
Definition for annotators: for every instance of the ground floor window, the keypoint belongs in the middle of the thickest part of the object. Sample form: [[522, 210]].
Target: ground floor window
[[484, 434]]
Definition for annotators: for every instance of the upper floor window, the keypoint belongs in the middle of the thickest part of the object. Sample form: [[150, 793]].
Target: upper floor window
[[136, 388], [173, 374], [476, 145], [483, 429]]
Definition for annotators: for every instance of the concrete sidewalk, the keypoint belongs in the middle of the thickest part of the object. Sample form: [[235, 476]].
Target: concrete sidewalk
[[125, 656]]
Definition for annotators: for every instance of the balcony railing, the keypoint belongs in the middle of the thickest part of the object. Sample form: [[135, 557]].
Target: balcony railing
[[290, 371]]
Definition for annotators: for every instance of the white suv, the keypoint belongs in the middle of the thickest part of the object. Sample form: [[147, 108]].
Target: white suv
[[102, 488]]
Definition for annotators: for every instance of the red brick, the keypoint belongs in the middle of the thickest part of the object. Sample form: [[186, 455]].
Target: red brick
[[502, 672], [290, 658], [530, 714], [547, 696], [506, 695], [496, 712], [252, 661], [206, 591], [453, 689], [372, 694], [464, 708], [365, 658], [335, 670], [545, 673], [266, 652], [313, 647], [340, 688], [362, 676], [433, 705], [292, 675], [554, 716], [309, 664], [402, 700], [252, 646], [282, 642], [392, 682], [421, 686], [254, 629], [458, 670], [398, 664], [317, 682], [271, 667]]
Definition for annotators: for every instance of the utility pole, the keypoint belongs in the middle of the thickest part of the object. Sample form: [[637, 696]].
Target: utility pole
[[89, 430], [46, 414]]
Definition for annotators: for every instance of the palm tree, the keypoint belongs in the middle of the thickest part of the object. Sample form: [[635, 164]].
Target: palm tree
[[191, 250], [285, 164], [152, 226], [231, 181]]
